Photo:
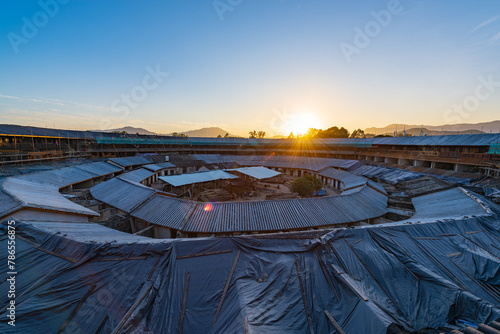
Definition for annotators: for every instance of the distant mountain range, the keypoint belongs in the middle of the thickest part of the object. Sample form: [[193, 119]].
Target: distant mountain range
[[414, 130], [431, 130], [205, 132], [129, 129]]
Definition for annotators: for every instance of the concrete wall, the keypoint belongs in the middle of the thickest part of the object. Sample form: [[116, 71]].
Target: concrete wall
[[161, 232]]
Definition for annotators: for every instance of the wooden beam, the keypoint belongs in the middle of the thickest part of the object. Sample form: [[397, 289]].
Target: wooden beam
[[304, 297], [75, 310], [119, 259], [203, 254], [334, 323], [131, 310], [184, 302], [228, 282]]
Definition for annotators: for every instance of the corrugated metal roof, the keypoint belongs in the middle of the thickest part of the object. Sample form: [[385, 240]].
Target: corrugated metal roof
[[43, 196], [348, 179], [159, 166], [165, 211], [256, 172], [209, 158], [66, 176], [273, 215], [448, 140], [130, 161], [185, 179], [453, 203], [59, 177], [137, 175], [389, 175], [280, 161], [100, 168], [121, 194], [19, 130], [377, 186], [104, 137]]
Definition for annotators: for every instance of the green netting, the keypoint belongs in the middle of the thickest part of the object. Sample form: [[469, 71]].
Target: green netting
[[494, 148], [221, 141]]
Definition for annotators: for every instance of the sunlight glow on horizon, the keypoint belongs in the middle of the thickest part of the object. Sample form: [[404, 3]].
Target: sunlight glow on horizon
[[301, 123]]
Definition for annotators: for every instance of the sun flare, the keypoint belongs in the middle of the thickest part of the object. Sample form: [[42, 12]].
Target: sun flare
[[301, 123]]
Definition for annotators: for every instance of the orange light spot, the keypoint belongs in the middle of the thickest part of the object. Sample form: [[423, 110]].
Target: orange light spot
[[208, 207]]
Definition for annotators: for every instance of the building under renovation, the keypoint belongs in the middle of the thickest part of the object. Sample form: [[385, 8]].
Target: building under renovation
[[404, 242]]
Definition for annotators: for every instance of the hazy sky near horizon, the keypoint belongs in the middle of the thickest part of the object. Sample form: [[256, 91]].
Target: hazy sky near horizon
[[248, 64]]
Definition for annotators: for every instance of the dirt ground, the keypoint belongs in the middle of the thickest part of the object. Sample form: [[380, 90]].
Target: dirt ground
[[269, 191]]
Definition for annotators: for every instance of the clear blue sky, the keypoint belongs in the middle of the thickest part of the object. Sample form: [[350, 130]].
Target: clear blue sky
[[254, 65]]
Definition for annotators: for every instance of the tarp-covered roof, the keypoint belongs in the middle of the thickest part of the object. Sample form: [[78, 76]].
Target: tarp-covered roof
[[192, 178], [360, 281], [451, 203], [256, 172]]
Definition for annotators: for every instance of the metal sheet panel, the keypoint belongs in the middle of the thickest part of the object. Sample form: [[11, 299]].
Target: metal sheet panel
[[60, 177], [192, 178], [159, 166], [100, 168], [273, 215], [256, 172], [121, 194], [348, 179], [138, 175], [130, 161]]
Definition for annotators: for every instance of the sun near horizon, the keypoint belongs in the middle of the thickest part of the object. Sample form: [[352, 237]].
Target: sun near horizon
[[300, 123]]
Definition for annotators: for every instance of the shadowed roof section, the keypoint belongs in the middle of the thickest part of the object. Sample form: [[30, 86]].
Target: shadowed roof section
[[137, 175], [269, 215], [159, 166], [348, 179], [130, 161], [122, 194]]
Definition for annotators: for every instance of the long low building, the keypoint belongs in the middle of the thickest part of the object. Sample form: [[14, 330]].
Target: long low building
[[340, 179], [461, 153], [257, 173], [199, 177], [122, 194], [171, 215], [37, 195]]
